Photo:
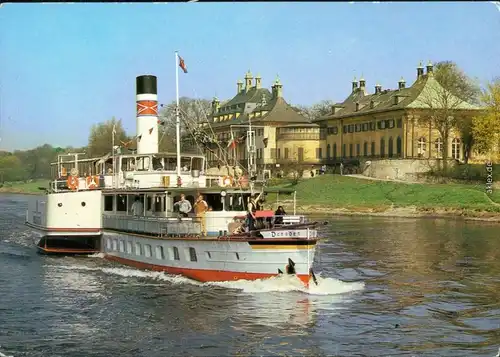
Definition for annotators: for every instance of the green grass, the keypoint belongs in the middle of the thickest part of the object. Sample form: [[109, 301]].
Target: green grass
[[24, 187], [349, 192]]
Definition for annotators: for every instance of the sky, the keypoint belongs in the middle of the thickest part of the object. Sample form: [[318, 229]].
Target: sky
[[65, 67]]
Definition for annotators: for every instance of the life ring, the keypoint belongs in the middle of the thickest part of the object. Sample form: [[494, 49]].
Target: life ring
[[92, 182], [72, 182], [227, 181]]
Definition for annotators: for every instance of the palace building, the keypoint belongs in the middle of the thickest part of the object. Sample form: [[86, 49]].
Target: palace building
[[282, 135], [393, 123]]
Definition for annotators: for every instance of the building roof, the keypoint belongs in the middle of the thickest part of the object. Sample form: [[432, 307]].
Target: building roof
[[270, 104], [425, 93]]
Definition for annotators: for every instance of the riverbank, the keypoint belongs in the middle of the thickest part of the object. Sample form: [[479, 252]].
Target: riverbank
[[25, 188], [341, 195]]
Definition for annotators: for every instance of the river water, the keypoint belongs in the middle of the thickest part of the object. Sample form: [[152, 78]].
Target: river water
[[388, 287]]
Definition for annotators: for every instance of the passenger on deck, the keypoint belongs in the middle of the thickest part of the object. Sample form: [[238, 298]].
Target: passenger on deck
[[184, 206], [280, 212], [251, 208], [137, 207], [200, 208]]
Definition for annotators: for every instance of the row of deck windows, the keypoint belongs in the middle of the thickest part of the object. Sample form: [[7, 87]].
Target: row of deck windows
[[146, 250], [369, 126]]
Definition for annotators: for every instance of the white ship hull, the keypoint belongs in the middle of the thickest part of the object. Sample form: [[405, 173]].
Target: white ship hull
[[212, 259]]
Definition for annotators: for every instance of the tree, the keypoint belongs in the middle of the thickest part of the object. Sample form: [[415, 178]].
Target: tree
[[317, 110], [452, 78], [101, 137], [486, 127], [192, 113], [438, 105], [11, 169]]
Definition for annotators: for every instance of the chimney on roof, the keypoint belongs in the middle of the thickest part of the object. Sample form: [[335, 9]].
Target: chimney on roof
[[362, 84], [401, 84], [248, 81], [354, 85], [378, 89], [420, 70], [277, 88], [239, 85], [258, 81], [430, 68]]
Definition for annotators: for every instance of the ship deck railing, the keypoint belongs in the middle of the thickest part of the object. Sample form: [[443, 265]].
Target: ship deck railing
[[158, 226]]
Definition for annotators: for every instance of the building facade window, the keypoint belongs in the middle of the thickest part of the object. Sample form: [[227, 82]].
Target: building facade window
[[335, 150], [373, 149], [400, 123], [351, 150], [344, 146], [382, 147], [358, 149], [391, 147], [399, 147], [421, 146], [319, 154], [455, 149], [365, 149], [438, 145], [328, 151]]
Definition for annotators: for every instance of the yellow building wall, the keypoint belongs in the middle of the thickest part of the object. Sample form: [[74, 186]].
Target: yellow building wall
[[409, 134], [309, 150]]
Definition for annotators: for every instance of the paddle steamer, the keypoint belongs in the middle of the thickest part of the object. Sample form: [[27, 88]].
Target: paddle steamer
[[92, 213]]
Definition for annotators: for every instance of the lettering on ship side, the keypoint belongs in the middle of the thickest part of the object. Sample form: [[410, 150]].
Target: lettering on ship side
[[281, 234]]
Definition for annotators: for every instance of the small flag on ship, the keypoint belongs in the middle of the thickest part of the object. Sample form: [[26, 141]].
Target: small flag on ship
[[182, 64], [232, 143]]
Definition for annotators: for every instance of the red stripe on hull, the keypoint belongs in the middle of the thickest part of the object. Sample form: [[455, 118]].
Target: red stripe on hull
[[201, 274], [66, 251], [72, 230]]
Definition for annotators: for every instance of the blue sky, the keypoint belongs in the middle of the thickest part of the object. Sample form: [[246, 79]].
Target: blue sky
[[64, 67]]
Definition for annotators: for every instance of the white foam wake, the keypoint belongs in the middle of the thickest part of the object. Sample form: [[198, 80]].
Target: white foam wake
[[286, 283], [283, 283], [4, 355]]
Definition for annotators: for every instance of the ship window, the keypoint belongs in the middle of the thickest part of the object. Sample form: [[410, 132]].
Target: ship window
[[147, 250], [192, 254], [122, 246], [108, 243], [83, 204], [138, 250], [176, 254], [129, 247], [214, 201], [115, 244], [235, 202], [108, 203], [121, 203], [160, 254]]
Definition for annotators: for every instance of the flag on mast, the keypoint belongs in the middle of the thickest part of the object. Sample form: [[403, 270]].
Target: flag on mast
[[232, 142], [182, 64]]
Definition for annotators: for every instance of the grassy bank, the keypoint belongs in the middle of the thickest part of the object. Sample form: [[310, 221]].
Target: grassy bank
[[337, 194], [28, 188]]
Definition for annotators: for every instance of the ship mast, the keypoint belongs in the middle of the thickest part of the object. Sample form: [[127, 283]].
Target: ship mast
[[177, 118]]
